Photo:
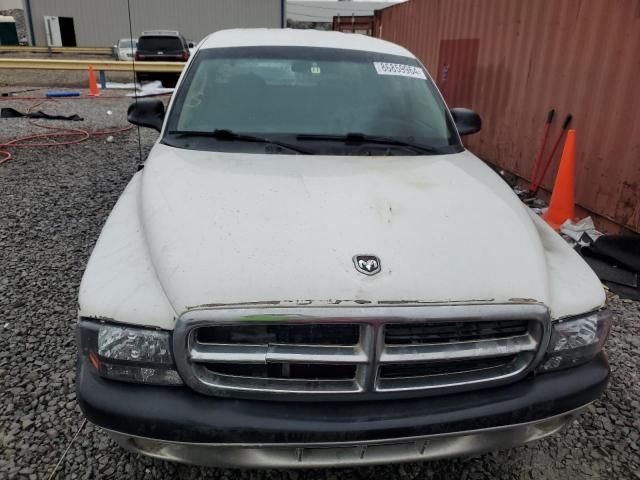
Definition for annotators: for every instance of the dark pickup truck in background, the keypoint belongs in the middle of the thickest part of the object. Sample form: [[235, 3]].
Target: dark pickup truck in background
[[162, 46]]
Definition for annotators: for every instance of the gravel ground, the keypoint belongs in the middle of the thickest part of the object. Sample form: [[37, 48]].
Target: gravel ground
[[53, 203]]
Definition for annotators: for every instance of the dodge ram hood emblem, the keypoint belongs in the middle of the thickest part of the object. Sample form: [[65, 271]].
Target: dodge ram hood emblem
[[367, 264]]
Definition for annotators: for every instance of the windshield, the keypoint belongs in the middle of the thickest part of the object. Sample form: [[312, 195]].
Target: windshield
[[286, 92], [127, 43], [160, 44]]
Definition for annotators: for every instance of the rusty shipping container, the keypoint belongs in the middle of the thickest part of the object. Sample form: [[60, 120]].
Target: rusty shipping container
[[514, 60]]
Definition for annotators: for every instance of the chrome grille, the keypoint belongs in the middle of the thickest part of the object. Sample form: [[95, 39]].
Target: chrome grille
[[438, 332], [300, 333], [358, 352]]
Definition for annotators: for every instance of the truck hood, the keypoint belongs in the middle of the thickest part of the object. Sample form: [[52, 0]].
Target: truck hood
[[227, 229]]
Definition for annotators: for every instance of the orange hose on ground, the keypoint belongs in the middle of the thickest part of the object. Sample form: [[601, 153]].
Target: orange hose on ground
[[61, 132]]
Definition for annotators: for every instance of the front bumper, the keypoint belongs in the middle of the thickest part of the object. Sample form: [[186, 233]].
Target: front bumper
[[178, 424], [430, 447]]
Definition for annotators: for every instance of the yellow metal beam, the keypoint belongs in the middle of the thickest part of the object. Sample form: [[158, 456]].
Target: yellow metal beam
[[107, 65], [89, 50]]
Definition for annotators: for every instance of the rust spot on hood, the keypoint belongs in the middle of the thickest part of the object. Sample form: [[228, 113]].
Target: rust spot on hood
[[236, 304], [524, 300], [429, 302], [100, 318], [289, 303]]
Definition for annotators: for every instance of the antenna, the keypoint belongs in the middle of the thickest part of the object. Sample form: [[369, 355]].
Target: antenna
[[135, 86]]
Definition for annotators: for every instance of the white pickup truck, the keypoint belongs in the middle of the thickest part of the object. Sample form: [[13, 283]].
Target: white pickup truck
[[311, 270]]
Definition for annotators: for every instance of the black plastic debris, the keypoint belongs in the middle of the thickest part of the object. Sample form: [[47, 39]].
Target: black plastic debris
[[624, 249], [616, 261], [13, 113], [15, 92], [611, 273]]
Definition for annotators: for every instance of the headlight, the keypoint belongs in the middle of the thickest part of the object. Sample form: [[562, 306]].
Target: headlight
[[128, 354], [576, 340]]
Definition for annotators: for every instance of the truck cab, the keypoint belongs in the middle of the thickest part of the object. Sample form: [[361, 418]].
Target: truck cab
[[312, 270]]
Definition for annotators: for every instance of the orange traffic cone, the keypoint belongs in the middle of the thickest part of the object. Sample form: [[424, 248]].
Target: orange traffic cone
[[561, 206], [93, 85]]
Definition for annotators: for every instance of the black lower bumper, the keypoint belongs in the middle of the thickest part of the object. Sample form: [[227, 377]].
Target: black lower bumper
[[180, 415]]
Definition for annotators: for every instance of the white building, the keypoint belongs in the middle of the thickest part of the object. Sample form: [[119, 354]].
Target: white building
[[101, 23]]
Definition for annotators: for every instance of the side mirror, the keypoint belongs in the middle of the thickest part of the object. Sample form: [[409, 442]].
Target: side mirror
[[467, 121], [147, 113], [191, 45]]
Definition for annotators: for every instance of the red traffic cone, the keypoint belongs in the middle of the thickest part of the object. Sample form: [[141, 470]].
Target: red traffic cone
[[562, 204], [93, 85]]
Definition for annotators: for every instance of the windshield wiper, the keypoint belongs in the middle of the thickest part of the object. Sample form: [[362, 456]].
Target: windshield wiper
[[359, 138], [228, 135]]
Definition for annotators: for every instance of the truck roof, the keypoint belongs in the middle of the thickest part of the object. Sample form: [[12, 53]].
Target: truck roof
[[161, 33], [287, 37]]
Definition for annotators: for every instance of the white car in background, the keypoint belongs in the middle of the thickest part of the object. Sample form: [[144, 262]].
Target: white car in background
[[125, 50], [311, 270]]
